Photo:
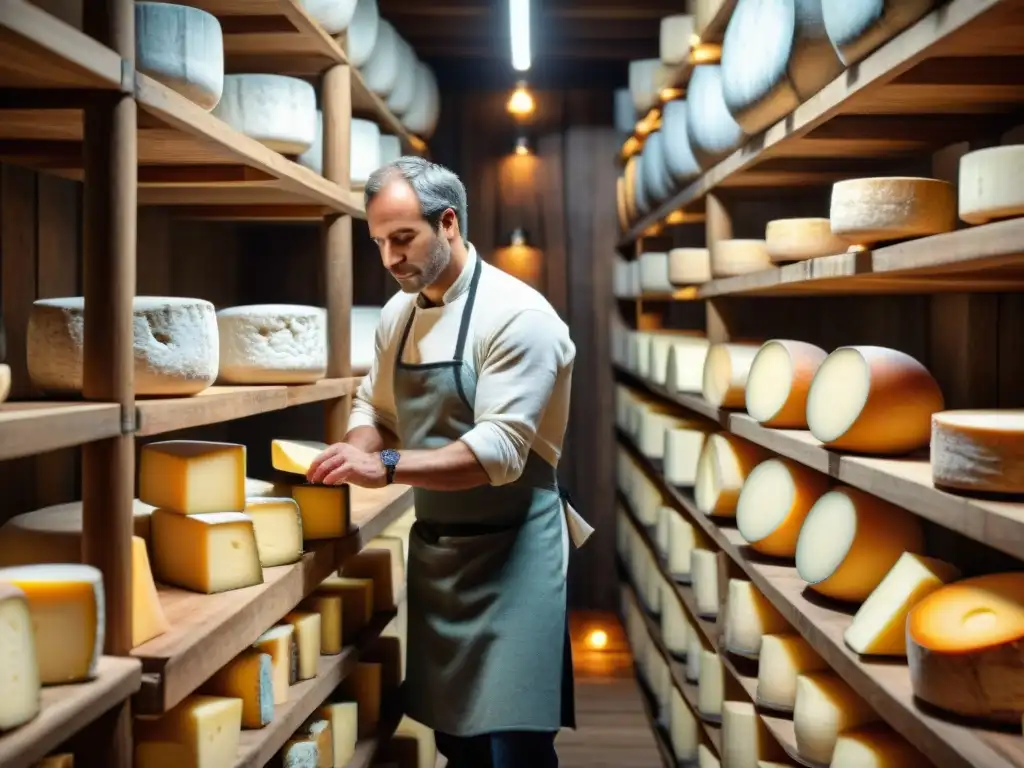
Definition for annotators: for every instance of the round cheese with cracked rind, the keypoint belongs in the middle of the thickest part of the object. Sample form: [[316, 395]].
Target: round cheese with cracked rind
[[273, 344], [680, 162], [183, 48], [990, 184], [858, 27], [800, 239], [778, 381], [277, 111], [659, 183], [401, 96], [980, 451], [174, 344], [382, 70], [362, 32], [333, 15], [712, 130], [869, 211]]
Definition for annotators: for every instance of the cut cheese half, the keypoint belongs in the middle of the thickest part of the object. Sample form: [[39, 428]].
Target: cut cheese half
[[774, 502], [778, 380], [725, 374], [850, 540], [710, 686], [684, 730], [749, 615], [294, 456], [782, 660], [183, 48], [730, 258], [965, 648], [879, 628], [277, 111], [684, 441], [875, 746], [705, 581], [713, 132], [686, 365], [989, 184], [865, 212], [19, 675], [858, 27], [745, 739], [680, 162], [872, 400], [801, 239], [825, 707], [722, 469], [976, 451], [689, 266]]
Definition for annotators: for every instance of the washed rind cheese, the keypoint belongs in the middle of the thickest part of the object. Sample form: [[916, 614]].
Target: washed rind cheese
[[875, 746], [181, 47], [712, 130], [989, 184], [872, 400], [722, 469], [773, 504], [725, 374], [858, 27], [689, 266], [731, 258], [865, 212], [976, 451], [801, 239], [277, 111], [825, 707], [207, 553], [19, 673], [778, 381], [272, 344], [782, 660], [749, 615], [193, 476]]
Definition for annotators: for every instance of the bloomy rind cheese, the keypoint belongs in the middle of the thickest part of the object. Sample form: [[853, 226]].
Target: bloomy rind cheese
[[19, 673], [362, 32], [333, 15], [680, 162], [869, 211], [778, 380], [183, 48], [277, 111], [858, 27], [725, 373], [801, 239], [774, 502], [724, 464], [978, 451], [825, 707], [989, 184], [730, 258], [659, 183], [272, 344], [782, 660], [382, 70]]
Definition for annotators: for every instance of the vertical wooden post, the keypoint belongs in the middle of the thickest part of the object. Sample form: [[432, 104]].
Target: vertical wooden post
[[336, 98], [717, 226]]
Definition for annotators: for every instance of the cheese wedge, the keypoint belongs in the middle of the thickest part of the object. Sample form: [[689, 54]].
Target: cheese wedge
[[249, 677], [294, 456]]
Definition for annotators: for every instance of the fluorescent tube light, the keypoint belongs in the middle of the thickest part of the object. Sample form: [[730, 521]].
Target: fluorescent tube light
[[519, 28]]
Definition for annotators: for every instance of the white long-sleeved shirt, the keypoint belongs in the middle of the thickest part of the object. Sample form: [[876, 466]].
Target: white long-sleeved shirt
[[519, 349]]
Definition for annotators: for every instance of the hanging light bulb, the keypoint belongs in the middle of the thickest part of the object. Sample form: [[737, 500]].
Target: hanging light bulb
[[520, 103]]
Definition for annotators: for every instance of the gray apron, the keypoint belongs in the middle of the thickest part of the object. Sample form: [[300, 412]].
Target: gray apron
[[488, 644]]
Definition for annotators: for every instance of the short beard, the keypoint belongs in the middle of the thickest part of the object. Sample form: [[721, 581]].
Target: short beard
[[437, 262]]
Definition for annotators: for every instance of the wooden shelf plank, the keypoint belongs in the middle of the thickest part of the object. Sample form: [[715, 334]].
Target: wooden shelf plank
[[67, 709], [28, 428], [207, 631]]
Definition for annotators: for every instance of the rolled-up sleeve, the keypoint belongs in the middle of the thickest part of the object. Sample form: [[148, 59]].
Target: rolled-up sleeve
[[522, 362], [374, 402]]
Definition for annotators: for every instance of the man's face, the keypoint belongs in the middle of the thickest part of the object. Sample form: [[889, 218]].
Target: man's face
[[413, 252]]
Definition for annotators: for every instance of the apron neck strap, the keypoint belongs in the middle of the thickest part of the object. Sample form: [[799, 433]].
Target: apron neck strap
[[467, 311]]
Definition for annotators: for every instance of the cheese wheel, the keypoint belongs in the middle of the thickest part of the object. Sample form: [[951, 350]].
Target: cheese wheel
[[660, 677], [362, 32], [774, 502], [725, 374], [654, 273], [625, 113], [659, 183], [784, 658], [989, 185], [333, 15], [660, 346], [745, 739], [872, 400], [965, 648], [875, 746], [865, 212], [689, 266], [642, 202], [661, 536], [858, 27], [273, 344], [730, 258], [684, 442], [390, 148], [401, 97], [642, 87], [382, 70], [684, 730], [825, 707], [174, 344], [712, 130], [801, 239], [748, 616], [686, 366], [680, 162], [683, 539], [710, 686], [704, 574], [181, 47], [675, 625], [423, 113], [850, 540], [979, 451], [675, 38], [722, 468], [879, 627], [778, 381], [364, 154], [277, 111]]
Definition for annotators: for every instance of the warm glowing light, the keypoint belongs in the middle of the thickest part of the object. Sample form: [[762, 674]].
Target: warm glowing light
[[521, 101], [522, 146], [519, 26], [706, 53], [671, 94], [597, 639]]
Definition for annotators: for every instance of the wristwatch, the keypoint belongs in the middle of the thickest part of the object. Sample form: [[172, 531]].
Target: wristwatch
[[389, 458]]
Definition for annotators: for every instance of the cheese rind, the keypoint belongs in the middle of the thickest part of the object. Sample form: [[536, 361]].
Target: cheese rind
[[344, 721], [725, 373], [402, 95], [376, 565], [278, 527], [710, 686], [745, 739], [778, 380], [278, 642], [723, 466], [989, 184], [277, 111], [19, 673], [272, 344], [683, 728], [206, 553], [749, 615], [689, 266], [869, 211], [784, 658], [875, 746], [249, 677], [362, 32], [365, 153], [773, 504], [659, 183], [683, 444], [193, 476], [324, 510], [148, 619], [680, 162], [329, 608], [183, 48], [675, 624], [333, 15], [654, 273], [979, 451], [858, 27], [801, 239], [685, 365], [730, 258], [307, 641], [383, 68], [825, 707]]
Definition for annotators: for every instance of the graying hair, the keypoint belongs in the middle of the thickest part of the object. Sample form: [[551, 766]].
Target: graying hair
[[436, 187]]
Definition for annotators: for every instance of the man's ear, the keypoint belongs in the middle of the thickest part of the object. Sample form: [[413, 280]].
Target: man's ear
[[450, 224]]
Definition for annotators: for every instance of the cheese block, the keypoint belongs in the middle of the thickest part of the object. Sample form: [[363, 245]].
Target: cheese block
[[689, 266], [181, 47], [365, 150], [872, 400], [642, 87], [710, 686], [376, 565], [277, 111], [363, 686], [684, 441], [333, 15], [278, 527], [278, 642], [272, 344], [409, 730], [706, 758], [782, 660], [879, 627], [680, 162], [745, 739], [301, 752], [858, 27], [722, 468], [683, 538], [174, 345], [704, 575], [713, 132], [865, 212], [684, 730], [778, 381], [825, 707], [356, 603], [850, 540], [19, 675], [362, 350], [362, 32], [801, 239], [774, 502], [654, 273], [875, 746], [390, 150], [643, 354], [382, 70], [249, 677], [343, 717], [647, 499], [988, 185], [318, 730], [324, 510], [749, 615], [329, 608], [208, 553], [676, 35], [730, 258], [307, 641], [68, 610], [201, 731], [964, 648], [725, 374], [675, 624], [625, 114], [294, 456], [148, 619], [192, 476], [975, 451], [686, 366]]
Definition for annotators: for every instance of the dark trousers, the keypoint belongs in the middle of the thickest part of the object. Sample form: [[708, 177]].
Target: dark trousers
[[504, 749]]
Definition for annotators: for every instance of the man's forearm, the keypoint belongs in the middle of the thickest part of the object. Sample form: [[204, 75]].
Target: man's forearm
[[371, 439], [452, 468]]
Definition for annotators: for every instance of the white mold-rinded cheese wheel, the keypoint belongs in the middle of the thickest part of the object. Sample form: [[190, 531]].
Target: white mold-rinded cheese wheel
[[869, 211], [857, 27], [277, 111], [779, 379], [273, 344], [364, 156], [725, 374], [706, 758], [850, 540], [712, 130], [710, 686], [174, 344], [642, 87], [872, 400], [875, 746], [686, 366], [675, 39], [801, 239], [313, 158], [659, 183], [362, 32], [730, 258], [722, 468], [401, 96], [825, 707], [422, 113], [383, 69], [363, 349], [654, 273], [774, 502], [689, 266], [333, 15], [965, 648], [989, 185], [782, 660], [625, 112], [681, 452], [683, 538], [745, 739], [980, 451], [704, 575], [183, 48], [682, 166], [879, 627], [684, 730], [390, 148], [661, 344], [675, 624], [749, 615]]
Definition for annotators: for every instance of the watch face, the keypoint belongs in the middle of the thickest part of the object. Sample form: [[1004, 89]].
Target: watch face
[[389, 456]]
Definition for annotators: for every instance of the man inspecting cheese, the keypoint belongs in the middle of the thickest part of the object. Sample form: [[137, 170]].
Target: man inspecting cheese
[[467, 401]]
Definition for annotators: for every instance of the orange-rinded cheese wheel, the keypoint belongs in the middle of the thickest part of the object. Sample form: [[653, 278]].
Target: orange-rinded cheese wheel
[[980, 451], [778, 382], [724, 463], [725, 373], [773, 503]]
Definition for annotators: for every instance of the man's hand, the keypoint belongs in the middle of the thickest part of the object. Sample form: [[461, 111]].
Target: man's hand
[[344, 463]]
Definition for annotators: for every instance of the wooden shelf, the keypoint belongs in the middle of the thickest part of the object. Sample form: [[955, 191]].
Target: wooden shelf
[[207, 631], [687, 293], [28, 428], [930, 86], [66, 709]]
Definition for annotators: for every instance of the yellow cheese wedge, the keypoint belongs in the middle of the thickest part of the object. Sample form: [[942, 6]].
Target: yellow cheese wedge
[[343, 717], [778, 382], [324, 510], [318, 730], [329, 608], [294, 456], [279, 643], [148, 619], [356, 603], [19, 673], [375, 565], [201, 732], [825, 707], [875, 746], [192, 476], [249, 677], [722, 469], [745, 739], [683, 728], [725, 373], [749, 615], [363, 686], [774, 502], [278, 527], [207, 553], [782, 660], [307, 641], [710, 685]]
